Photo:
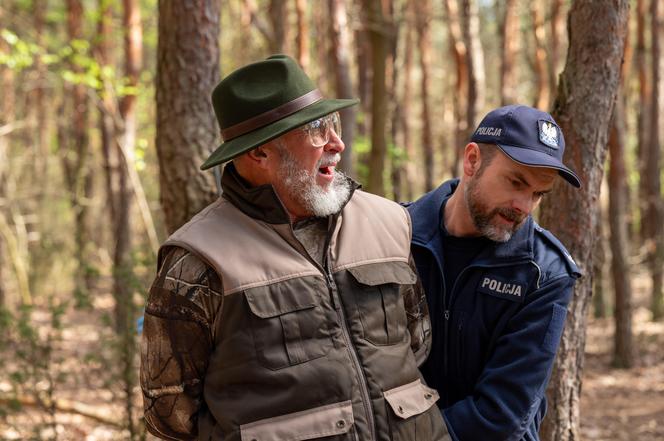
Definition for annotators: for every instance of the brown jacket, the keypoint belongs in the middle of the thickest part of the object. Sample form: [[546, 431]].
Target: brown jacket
[[246, 337]]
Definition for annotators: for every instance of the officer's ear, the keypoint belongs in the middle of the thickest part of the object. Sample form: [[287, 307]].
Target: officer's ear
[[472, 159], [262, 156]]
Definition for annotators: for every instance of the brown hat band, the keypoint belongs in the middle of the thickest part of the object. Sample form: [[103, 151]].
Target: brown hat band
[[271, 116]]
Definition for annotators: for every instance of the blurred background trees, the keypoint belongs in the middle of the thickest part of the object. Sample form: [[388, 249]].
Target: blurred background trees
[[105, 118]]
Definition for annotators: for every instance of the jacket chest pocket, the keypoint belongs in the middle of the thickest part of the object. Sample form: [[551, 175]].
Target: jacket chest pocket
[[410, 413], [288, 322], [380, 302]]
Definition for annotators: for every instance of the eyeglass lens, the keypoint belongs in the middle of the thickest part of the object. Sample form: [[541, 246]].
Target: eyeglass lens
[[319, 130]]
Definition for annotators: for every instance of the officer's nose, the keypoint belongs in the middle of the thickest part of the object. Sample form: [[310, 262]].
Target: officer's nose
[[523, 204]]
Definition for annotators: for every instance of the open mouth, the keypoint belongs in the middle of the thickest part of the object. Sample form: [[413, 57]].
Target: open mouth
[[327, 170]]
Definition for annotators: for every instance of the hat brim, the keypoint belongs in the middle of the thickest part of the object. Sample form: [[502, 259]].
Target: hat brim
[[242, 144], [534, 158]]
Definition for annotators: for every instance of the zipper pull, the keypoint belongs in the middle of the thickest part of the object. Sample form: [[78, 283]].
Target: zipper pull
[[447, 314]]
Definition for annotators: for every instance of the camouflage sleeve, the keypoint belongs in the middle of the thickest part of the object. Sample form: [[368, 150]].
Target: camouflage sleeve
[[417, 312], [178, 336]]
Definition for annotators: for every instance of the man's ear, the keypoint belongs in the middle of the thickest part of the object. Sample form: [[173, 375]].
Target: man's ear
[[471, 159], [260, 156]]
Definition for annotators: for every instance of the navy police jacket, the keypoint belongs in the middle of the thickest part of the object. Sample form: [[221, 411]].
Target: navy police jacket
[[496, 328]]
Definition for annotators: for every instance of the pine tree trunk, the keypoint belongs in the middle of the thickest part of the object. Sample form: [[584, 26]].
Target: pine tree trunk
[[643, 113], [583, 108], [278, 13], [302, 36], [475, 60], [623, 351], [542, 92], [509, 39], [76, 164], [599, 294], [654, 218], [557, 23], [423, 27], [377, 28], [340, 59], [460, 95], [187, 71], [408, 164]]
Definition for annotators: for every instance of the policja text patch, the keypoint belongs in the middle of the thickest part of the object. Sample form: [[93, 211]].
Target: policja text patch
[[508, 290]]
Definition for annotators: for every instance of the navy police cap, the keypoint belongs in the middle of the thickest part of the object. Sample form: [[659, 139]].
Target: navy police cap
[[528, 136]]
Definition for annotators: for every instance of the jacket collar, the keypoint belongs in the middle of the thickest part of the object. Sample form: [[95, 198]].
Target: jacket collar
[[260, 202], [430, 207]]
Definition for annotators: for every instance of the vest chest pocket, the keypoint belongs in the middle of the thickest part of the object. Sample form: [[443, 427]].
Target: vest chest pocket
[[288, 322], [379, 301]]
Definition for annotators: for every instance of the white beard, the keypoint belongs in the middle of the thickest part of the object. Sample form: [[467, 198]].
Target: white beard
[[301, 185]]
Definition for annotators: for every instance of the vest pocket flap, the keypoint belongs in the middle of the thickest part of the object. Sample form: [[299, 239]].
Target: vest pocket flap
[[411, 399], [283, 297], [384, 272], [333, 419]]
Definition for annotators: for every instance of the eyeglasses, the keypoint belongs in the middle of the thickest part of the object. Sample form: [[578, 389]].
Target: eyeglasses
[[319, 129]]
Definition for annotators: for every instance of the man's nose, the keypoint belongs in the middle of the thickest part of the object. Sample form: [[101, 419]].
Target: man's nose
[[334, 144], [523, 204]]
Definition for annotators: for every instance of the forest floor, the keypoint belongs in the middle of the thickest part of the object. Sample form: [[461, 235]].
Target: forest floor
[[616, 405]]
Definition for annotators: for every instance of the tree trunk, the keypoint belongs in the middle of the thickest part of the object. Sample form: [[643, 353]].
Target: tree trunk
[[187, 71], [408, 164], [378, 29], [643, 111], [6, 117], [364, 76], [542, 92], [278, 13], [75, 163], [509, 34], [339, 56], [555, 39], [583, 108], [423, 27], [654, 218], [475, 60], [623, 351], [302, 37], [599, 294], [460, 95]]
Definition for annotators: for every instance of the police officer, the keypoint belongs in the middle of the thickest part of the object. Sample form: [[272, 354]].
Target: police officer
[[497, 283]]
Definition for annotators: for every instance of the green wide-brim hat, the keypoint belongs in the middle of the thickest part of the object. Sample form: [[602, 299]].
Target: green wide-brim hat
[[262, 101]]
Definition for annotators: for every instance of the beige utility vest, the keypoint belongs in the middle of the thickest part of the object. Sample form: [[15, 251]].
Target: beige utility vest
[[304, 352]]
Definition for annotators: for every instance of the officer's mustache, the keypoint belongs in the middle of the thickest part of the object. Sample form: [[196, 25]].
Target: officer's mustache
[[510, 214]]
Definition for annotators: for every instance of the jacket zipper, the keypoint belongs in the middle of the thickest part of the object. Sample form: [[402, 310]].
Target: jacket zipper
[[331, 285]]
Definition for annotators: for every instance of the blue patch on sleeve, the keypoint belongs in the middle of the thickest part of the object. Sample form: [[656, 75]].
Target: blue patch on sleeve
[[555, 329]]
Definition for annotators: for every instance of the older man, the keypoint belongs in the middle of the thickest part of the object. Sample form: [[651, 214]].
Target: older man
[[497, 283], [287, 309]]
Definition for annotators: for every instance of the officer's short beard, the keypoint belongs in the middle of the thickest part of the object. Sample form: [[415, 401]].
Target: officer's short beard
[[484, 217], [302, 187]]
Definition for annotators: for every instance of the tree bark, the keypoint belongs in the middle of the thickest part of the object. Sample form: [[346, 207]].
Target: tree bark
[[475, 60], [555, 39], [542, 92], [643, 112], [76, 162], [599, 295], [423, 28], [339, 57], [654, 218], [302, 37], [378, 29], [408, 164], [460, 95], [623, 351], [509, 38], [187, 71], [583, 108], [278, 13]]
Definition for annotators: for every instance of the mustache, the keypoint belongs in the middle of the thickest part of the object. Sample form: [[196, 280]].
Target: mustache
[[511, 214], [329, 159]]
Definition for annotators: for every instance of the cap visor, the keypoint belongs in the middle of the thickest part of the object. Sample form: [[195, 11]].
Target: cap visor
[[534, 158], [242, 144]]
